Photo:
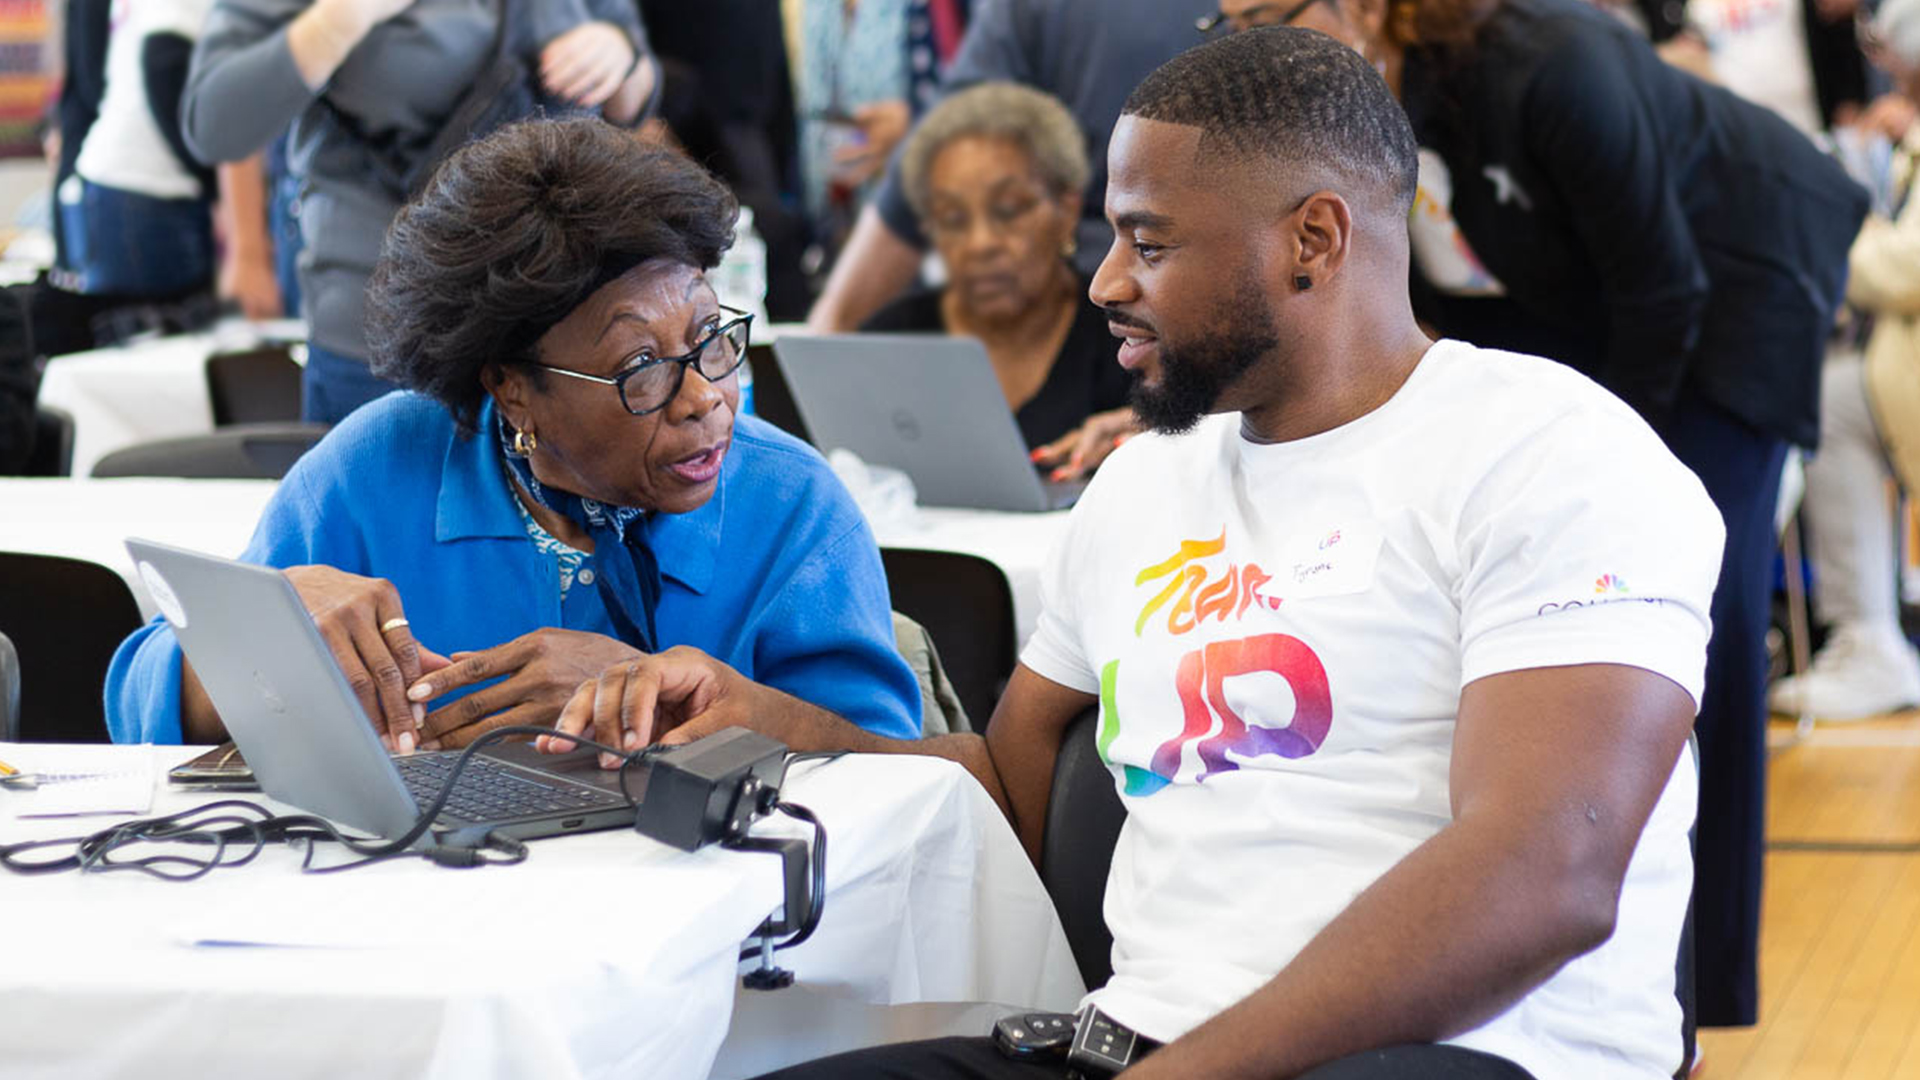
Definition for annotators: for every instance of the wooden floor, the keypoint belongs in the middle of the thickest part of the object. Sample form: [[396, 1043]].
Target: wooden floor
[[1840, 929]]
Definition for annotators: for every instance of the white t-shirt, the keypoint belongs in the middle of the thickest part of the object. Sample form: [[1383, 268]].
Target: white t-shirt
[[124, 148], [1279, 635], [1440, 249], [1759, 50]]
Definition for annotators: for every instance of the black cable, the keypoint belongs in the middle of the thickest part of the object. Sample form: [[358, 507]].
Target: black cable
[[250, 827], [815, 755], [817, 870], [816, 880]]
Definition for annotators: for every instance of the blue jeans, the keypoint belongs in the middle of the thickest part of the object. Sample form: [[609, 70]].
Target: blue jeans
[[334, 385], [125, 244], [1740, 467], [283, 218]]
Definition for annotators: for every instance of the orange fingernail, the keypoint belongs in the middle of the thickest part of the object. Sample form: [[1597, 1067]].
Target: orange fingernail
[[1058, 474], [1037, 454]]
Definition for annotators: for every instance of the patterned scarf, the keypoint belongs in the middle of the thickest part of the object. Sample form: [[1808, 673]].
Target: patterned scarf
[[613, 528]]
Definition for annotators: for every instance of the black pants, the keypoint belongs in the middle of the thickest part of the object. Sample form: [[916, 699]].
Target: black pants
[[1740, 467], [976, 1059]]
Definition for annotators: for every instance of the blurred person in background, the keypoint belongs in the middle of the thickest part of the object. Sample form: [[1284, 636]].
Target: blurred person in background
[[1870, 422], [1800, 58], [377, 93], [867, 68], [134, 211], [1088, 53], [1682, 246], [732, 110], [994, 174]]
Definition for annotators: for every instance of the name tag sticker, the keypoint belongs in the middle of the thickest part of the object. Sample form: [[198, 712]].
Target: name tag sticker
[[1334, 561]]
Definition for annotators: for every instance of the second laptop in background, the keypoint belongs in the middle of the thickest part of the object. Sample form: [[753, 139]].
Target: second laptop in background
[[927, 405]]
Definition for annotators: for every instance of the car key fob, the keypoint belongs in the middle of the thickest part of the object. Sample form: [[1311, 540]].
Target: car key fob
[[1036, 1035], [1103, 1046]]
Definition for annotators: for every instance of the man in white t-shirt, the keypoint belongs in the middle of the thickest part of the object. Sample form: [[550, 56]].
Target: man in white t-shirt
[[1396, 644]]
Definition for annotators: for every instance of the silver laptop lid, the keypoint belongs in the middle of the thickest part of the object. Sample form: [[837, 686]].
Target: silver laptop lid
[[926, 404], [273, 679]]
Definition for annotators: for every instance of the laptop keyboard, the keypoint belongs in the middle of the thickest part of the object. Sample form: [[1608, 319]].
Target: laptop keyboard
[[489, 791]]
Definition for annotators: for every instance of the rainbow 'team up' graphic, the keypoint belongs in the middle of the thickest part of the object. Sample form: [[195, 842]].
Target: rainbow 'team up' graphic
[[1609, 583], [1200, 676]]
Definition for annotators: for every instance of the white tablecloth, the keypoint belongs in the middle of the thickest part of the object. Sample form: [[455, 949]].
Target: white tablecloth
[[155, 389], [602, 955], [88, 519]]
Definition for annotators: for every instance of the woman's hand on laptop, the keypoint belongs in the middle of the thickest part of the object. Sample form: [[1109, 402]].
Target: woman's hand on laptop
[[366, 629], [674, 696], [538, 673], [1076, 454]]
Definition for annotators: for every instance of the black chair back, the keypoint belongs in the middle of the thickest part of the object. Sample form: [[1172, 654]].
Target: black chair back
[[240, 452], [9, 691], [772, 399], [65, 618], [259, 386], [966, 605], [1084, 815], [52, 453]]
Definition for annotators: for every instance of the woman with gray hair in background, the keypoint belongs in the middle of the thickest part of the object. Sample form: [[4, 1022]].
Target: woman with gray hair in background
[[995, 174]]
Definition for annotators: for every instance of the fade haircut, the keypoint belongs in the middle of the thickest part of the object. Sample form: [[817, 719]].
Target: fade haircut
[[1292, 96]]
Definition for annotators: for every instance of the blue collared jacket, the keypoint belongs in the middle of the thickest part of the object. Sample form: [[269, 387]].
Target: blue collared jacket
[[777, 575]]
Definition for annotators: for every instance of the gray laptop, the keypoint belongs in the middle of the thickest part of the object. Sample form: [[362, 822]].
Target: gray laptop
[[926, 404], [300, 727]]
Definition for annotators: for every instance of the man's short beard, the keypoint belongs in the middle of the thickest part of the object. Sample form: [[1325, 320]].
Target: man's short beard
[[1195, 374]]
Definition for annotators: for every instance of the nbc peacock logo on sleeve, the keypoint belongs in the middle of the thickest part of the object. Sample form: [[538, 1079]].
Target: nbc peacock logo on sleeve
[[1607, 589]]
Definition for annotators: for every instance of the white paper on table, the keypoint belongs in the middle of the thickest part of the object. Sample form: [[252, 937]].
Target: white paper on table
[[117, 780]]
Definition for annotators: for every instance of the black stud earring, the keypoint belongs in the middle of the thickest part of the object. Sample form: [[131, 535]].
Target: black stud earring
[[1301, 282]]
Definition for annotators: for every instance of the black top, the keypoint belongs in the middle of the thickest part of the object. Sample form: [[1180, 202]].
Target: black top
[[88, 23], [1086, 376], [1650, 229]]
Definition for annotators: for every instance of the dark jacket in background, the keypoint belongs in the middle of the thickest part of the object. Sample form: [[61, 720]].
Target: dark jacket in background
[[732, 108], [86, 28], [1651, 230]]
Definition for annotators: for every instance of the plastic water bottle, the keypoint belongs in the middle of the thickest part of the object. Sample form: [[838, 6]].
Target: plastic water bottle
[[741, 282]]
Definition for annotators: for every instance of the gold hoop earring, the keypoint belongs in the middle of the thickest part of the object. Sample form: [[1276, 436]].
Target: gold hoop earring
[[525, 442]]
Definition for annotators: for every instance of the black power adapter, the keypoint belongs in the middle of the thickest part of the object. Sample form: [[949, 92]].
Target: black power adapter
[[711, 790]]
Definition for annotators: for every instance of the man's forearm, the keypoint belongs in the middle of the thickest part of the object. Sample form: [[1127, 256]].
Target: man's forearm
[[808, 728], [1459, 930], [199, 722]]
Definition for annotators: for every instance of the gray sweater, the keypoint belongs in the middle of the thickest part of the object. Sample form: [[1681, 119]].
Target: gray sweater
[[400, 83]]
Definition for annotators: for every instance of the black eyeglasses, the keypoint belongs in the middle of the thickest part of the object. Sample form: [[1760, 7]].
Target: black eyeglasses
[[1254, 17], [647, 386]]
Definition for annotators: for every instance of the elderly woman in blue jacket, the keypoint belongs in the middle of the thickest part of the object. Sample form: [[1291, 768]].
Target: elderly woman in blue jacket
[[566, 489]]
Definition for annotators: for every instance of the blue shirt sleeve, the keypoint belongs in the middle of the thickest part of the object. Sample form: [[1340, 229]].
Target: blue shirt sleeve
[[830, 639], [143, 682]]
